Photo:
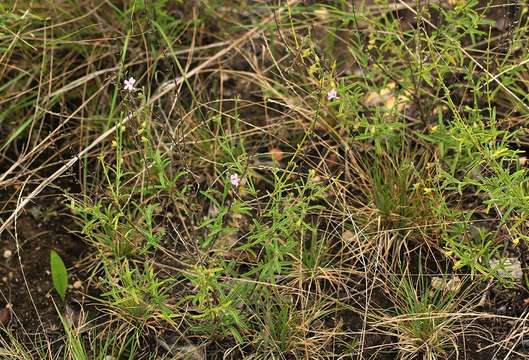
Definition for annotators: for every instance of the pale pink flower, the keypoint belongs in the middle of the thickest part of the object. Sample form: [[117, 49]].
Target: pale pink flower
[[332, 94], [129, 84], [234, 179]]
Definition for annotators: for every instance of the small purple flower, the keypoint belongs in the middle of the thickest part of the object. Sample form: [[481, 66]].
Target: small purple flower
[[234, 179], [129, 84], [332, 94]]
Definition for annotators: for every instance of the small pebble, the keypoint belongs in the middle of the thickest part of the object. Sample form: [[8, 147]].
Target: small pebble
[[78, 284], [7, 254]]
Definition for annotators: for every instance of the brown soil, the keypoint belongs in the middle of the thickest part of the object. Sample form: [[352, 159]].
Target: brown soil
[[25, 279]]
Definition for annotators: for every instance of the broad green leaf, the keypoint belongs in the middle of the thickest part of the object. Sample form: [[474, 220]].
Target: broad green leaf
[[59, 274]]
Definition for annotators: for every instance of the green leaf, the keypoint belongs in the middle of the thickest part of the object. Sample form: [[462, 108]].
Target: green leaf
[[59, 274]]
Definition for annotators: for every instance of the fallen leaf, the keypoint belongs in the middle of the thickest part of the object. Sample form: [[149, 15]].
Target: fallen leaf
[[190, 352], [511, 268], [348, 236], [452, 285], [322, 13], [387, 98], [437, 283], [374, 98], [456, 2]]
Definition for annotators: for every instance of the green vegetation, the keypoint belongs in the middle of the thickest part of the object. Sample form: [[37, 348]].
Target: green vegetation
[[262, 180], [59, 274]]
